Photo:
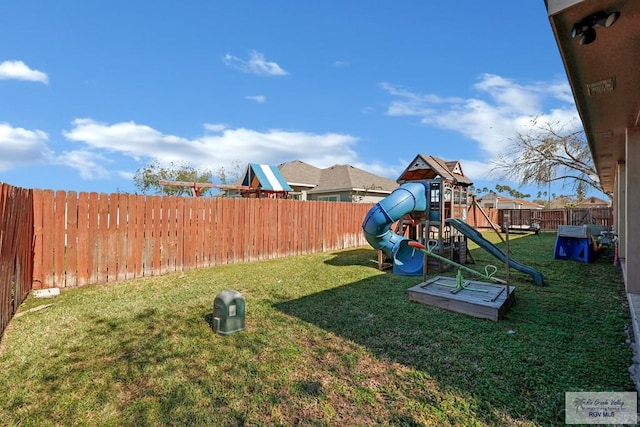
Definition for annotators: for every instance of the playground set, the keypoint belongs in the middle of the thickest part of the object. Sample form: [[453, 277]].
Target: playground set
[[259, 181], [429, 208]]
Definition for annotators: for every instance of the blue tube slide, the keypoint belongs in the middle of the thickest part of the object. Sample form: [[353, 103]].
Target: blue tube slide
[[409, 197]]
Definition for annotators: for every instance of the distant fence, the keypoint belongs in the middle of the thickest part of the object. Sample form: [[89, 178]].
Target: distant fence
[[83, 238], [16, 249], [549, 219]]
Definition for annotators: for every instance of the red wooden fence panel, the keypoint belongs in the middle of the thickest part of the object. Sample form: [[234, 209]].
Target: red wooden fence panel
[[549, 219], [38, 279], [70, 252], [90, 238], [17, 247], [83, 239], [96, 238], [59, 242], [48, 239], [122, 217]]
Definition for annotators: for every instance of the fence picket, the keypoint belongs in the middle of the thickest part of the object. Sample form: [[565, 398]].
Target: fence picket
[[102, 242], [122, 244], [59, 226], [38, 279], [93, 237], [82, 272], [71, 249]]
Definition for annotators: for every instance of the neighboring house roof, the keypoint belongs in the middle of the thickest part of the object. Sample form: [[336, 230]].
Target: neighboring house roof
[[593, 201], [335, 178], [527, 204], [498, 198], [347, 177], [300, 174], [265, 177], [429, 167]]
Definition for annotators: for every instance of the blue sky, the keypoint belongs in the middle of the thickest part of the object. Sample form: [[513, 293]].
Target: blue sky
[[92, 91]]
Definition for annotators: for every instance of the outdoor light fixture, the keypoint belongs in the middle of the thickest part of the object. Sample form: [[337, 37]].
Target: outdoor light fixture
[[586, 28]]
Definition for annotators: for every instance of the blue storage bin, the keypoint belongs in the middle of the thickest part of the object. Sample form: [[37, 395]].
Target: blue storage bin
[[577, 248]]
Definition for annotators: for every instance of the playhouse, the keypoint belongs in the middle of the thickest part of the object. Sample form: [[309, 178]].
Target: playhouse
[[263, 181], [432, 191], [447, 195], [259, 181], [429, 209], [428, 212]]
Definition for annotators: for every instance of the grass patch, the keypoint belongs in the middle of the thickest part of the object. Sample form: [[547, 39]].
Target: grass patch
[[329, 341]]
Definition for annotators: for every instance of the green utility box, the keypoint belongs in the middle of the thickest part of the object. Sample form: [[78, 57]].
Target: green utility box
[[228, 312]]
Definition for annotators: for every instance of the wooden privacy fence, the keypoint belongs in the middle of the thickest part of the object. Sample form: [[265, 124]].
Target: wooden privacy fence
[[16, 249], [549, 219], [83, 238]]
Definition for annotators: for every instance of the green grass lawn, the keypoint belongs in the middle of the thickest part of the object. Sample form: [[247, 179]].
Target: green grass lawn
[[330, 340]]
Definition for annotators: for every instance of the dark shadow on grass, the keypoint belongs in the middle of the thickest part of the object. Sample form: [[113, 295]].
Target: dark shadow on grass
[[441, 344], [363, 257], [208, 318], [124, 357], [522, 374]]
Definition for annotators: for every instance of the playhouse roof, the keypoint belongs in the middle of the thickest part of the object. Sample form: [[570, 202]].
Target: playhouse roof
[[593, 202], [429, 167], [266, 177]]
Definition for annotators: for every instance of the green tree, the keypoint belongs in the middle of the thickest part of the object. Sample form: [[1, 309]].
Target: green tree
[[511, 191], [147, 178], [549, 152]]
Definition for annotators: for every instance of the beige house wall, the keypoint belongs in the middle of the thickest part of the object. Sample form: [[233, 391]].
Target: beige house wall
[[620, 208], [632, 231]]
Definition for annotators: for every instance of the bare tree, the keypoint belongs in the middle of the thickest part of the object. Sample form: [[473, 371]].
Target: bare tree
[[548, 152], [357, 196], [232, 173]]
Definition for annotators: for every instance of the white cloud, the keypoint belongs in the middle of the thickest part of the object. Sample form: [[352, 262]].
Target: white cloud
[[19, 147], [340, 64], [212, 151], [18, 70], [502, 108], [132, 139], [260, 99], [510, 96], [87, 163], [412, 97], [413, 104], [475, 170], [377, 168], [256, 64], [128, 175], [215, 127]]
